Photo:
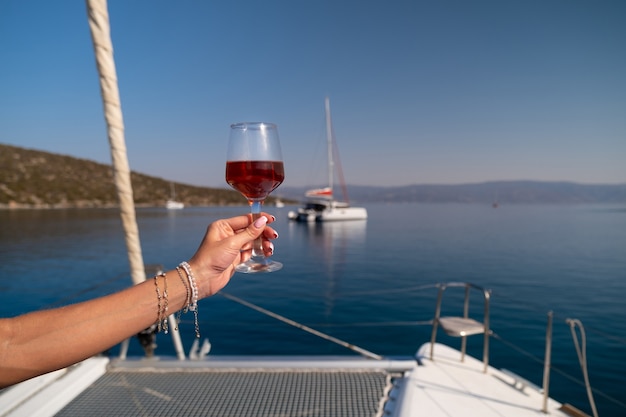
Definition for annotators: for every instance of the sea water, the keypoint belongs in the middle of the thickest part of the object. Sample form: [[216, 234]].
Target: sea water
[[365, 282]]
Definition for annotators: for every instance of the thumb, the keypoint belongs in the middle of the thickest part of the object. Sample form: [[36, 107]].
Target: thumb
[[251, 232]]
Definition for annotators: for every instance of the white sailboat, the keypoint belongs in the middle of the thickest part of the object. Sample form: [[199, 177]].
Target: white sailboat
[[320, 204], [172, 204]]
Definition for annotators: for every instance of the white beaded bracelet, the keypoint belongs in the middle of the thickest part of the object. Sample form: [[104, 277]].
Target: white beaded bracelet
[[193, 304]]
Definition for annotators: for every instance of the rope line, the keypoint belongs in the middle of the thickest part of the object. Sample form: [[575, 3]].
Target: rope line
[[301, 326], [98, 17], [559, 371], [582, 358]]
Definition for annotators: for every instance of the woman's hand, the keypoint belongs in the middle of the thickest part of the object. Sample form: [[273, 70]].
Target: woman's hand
[[226, 244]]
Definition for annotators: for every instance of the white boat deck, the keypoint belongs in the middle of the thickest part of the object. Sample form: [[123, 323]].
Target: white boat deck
[[447, 387], [285, 386]]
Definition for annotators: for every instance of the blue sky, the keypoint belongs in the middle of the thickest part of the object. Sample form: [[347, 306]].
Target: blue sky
[[422, 92]]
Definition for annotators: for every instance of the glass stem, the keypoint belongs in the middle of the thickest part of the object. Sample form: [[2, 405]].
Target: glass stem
[[257, 246]]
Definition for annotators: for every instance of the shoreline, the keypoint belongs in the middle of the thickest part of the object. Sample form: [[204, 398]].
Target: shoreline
[[20, 206]]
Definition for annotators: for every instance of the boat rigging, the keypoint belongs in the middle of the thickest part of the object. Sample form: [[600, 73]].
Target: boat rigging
[[320, 204]]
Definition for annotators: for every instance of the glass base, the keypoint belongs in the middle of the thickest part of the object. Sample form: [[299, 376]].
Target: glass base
[[254, 266]]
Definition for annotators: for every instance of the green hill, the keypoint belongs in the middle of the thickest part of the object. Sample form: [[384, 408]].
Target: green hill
[[36, 179]]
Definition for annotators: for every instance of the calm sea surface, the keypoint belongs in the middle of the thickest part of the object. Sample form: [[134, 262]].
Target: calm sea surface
[[363, 281]]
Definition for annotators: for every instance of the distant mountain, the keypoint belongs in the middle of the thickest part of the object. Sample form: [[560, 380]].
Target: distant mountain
[[36, 179], [502, 192]]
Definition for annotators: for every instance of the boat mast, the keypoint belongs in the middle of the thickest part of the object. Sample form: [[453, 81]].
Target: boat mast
[[329, 140]]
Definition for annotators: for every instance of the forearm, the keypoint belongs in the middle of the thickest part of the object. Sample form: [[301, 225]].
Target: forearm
[[76, 332], [41, 342]]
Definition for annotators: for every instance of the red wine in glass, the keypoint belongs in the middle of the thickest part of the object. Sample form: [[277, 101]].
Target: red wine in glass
[[254, 167], [255, 179]]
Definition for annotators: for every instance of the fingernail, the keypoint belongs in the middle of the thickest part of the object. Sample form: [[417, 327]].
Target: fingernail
[[275, 235], [271, 248], [273, 218], [260, 222]]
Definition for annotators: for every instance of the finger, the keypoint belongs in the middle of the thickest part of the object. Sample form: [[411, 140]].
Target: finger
[[254, 230], [245, 255], [270, 233], [268, 248], [270, 218]]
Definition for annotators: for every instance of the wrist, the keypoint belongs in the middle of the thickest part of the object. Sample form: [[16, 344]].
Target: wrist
[[202, 284]]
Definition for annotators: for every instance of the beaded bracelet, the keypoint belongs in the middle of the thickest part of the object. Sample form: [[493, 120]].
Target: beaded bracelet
[[162, 303], [165, 305], [193, 304], [185, 308]]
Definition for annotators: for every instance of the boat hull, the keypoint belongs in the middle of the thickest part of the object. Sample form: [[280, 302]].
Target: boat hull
[[174, 205], [329, 214]]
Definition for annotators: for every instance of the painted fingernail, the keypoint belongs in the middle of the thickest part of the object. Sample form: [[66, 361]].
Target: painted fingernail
[[260, 222], [273, 218], [275, 235], [271, 248]]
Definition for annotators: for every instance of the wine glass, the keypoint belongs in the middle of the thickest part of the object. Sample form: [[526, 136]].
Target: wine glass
[[254, 167]]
